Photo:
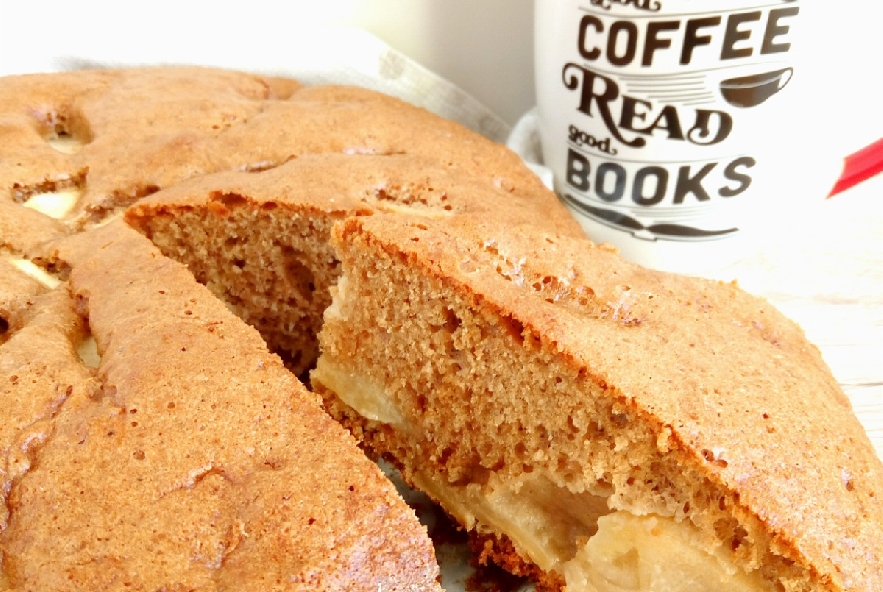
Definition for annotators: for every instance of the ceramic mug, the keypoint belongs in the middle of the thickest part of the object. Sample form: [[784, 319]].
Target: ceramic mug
[[677, 129]]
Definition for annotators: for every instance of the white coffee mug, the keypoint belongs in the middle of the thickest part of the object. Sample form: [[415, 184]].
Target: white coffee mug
[[677, 129]]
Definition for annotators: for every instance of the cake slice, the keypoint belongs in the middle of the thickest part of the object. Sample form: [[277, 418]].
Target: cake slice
[[81, 146], [185, 457], [599, 426]]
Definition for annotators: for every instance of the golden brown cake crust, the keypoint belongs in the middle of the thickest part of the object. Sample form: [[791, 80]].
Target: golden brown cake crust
[[500, 551], [24, 231], [732, 390], [189, 459]]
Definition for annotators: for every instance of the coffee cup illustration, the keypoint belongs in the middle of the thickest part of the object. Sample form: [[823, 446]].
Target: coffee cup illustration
[[751, 91]]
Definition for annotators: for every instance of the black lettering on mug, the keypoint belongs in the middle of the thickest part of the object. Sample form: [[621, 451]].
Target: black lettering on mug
[[630, 112], [660, 176], [581, 138], [701, 132], [630, 30], [774, 30], [692, 38], [604, 188], [734, 34], [578, 170], [687, 184], [589, 21], [600, 90], [650, 185], [732, 173], [654, 42], [669, 121]]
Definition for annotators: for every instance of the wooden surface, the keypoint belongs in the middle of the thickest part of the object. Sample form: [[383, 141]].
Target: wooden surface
[[827, 274]]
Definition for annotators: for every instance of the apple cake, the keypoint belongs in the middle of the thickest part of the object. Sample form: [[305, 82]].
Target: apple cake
[[600, 426]]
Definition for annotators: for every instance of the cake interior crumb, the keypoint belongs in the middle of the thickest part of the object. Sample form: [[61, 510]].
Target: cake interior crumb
[[272, 270]]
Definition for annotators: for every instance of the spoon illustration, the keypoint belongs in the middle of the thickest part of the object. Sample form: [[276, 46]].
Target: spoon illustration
[[650, 232]]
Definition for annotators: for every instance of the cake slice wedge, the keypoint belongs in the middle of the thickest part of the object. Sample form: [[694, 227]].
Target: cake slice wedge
[[597, 425], [187, 458]]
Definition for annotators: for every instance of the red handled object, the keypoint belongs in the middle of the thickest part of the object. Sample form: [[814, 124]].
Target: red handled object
[[859, 167]]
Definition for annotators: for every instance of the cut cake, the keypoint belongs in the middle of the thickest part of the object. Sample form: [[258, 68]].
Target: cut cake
[[594, 424], [260, 241]]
